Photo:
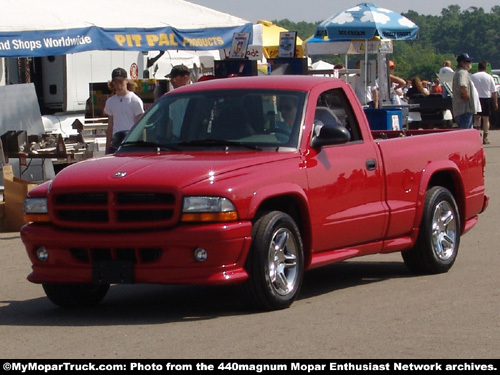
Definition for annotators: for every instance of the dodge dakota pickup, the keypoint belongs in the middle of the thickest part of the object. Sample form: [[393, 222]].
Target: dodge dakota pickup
[[252, 181]]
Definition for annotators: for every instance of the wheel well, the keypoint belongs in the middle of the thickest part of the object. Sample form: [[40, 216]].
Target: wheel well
[[297, 211], [443, 179], [451, 181]]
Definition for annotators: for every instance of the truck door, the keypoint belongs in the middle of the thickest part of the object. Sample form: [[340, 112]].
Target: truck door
[[346, 185]]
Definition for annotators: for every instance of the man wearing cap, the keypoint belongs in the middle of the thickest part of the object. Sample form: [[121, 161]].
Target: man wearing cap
[[463, 98], [123, 109], [179, 76]]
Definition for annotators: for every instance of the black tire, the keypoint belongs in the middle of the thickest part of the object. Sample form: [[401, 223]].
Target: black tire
[[275, 263], [75, 295], [437, 245]]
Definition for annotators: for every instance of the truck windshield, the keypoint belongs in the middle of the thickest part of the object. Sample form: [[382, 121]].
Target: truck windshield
[[225, 119]]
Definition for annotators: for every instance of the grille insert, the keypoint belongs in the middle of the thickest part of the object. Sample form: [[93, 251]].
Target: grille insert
[[115, 210]]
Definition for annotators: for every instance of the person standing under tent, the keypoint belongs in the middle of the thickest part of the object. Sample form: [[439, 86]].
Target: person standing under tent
[[179, 76], [123, 109]]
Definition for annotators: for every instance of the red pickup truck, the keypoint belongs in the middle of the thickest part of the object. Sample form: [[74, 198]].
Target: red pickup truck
[[252, 181]]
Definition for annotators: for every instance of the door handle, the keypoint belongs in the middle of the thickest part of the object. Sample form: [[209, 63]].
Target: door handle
[[371, 164]]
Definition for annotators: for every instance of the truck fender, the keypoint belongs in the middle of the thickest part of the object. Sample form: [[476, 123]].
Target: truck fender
[[285, 197], [443, 173]]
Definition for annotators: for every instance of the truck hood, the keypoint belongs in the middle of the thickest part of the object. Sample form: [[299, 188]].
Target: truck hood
[[173, 169]]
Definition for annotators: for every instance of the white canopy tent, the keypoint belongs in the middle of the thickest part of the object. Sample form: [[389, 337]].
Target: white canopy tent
[[31, 28], [106, 34], [85, 39], [322, 65]]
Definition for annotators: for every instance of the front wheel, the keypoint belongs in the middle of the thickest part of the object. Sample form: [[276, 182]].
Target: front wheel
[[275, 263], [75, 295], [437, 245]]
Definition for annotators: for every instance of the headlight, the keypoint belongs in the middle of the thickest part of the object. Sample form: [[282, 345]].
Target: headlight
[[208, 209], [35, 210]]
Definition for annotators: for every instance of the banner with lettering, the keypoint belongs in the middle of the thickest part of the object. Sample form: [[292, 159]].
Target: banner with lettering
[[60, 42]]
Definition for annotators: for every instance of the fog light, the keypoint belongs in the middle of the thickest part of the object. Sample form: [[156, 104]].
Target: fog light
[[200, 254], [42, 254]]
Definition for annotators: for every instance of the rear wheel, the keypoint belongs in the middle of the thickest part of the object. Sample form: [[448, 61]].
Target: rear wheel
[[75, 295], [275, 263], [437, 244]]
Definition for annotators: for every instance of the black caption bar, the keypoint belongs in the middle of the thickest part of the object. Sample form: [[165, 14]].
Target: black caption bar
[[252, 366]]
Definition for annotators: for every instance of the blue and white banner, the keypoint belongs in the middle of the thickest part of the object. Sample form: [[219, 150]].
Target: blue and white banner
[[60, 42]]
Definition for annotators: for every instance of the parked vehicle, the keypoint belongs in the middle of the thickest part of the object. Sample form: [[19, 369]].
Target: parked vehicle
[[252, 181]]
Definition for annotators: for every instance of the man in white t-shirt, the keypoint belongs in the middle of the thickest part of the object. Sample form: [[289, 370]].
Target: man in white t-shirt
[[446, 68], [123, 109], [485, 86]]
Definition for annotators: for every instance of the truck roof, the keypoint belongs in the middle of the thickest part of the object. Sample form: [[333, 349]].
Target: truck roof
[[284, 82]]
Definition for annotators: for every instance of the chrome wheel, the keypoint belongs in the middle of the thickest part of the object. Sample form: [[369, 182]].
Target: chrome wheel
[[438, 240], [444, 231], [282, 262], [275, 263]]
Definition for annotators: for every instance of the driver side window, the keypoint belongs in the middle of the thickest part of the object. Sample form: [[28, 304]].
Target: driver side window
[[333, 108]]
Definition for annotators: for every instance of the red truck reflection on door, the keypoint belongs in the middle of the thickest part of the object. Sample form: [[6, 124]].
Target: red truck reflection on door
[[213, 186]]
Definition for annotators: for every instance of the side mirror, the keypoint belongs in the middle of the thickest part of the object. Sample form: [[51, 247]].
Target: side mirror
[[329, 135]]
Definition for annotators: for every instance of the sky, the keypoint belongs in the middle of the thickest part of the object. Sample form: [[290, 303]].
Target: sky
[[318, 10]]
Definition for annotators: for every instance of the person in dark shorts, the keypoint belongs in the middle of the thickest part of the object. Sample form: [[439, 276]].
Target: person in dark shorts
[[485, 86]]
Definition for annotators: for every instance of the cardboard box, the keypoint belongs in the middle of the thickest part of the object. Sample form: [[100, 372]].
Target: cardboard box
[[15, 191]]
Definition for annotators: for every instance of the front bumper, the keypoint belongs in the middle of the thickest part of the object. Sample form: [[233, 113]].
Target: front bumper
[[160, 257]]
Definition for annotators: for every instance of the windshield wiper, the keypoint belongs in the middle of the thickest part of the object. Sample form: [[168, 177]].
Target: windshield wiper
[[219, 142], [157, 146]]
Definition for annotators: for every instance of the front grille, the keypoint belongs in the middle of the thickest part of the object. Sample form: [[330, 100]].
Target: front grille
[[115, 210], [134, 255]]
